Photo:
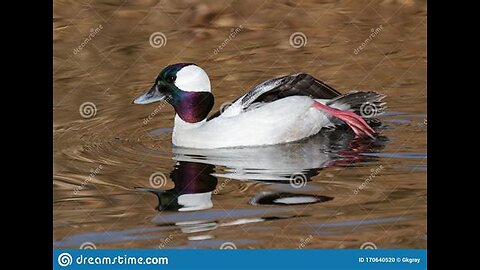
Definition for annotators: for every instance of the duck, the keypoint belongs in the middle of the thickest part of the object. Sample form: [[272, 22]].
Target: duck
[[280, 110]]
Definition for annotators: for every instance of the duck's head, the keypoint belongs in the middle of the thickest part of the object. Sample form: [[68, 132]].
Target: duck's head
[[186, 87]]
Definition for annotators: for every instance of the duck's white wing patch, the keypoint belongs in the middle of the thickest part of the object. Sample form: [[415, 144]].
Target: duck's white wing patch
[[243, 102], [261, 89]]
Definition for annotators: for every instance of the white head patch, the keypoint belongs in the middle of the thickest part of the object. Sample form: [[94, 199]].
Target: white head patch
[[193, 79]]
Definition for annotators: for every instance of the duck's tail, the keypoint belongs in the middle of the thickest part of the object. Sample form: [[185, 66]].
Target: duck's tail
[[367, 104], [354, 109]]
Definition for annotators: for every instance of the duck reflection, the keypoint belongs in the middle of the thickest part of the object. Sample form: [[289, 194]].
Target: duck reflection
[[194, 183], [195, 177], [284, 162]]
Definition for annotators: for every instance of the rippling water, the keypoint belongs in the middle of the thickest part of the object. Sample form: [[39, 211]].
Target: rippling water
[[119, 182]]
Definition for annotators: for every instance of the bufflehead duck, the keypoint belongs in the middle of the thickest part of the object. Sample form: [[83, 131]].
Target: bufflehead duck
[[279, 110]]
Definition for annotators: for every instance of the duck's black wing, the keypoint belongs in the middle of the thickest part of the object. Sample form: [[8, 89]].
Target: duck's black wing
[[300, 84]]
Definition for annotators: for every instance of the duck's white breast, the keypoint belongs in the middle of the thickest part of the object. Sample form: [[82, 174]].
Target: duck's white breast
[[285, 120]]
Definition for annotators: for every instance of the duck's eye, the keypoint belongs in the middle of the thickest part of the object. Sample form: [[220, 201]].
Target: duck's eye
[[171, 79]]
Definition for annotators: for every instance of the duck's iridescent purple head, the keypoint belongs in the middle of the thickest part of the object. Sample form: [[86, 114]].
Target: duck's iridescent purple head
[[186, 87]]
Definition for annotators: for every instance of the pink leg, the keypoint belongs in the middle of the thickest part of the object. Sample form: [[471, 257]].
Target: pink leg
[[353, 120]]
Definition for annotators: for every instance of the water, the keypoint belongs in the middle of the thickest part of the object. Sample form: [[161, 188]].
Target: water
[[119, 182]]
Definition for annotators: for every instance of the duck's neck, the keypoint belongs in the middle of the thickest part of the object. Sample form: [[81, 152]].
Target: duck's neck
[[192, 107]]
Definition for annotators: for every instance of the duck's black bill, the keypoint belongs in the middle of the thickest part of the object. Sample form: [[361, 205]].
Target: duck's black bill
[[152, 95]]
